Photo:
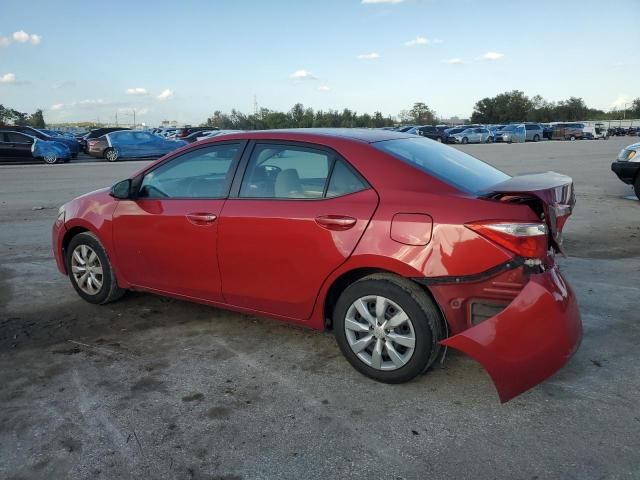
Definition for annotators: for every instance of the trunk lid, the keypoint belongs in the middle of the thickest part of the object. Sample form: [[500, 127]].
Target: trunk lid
[[555, 195]]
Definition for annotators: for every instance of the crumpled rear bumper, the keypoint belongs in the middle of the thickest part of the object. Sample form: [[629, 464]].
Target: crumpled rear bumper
[[529, 340]]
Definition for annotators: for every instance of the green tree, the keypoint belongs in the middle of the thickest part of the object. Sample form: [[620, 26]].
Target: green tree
[[36, 120], [421, 114]]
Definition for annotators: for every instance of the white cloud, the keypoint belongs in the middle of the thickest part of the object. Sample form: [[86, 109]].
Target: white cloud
[[166, 94], [417, 41], [621, 101], [57, 106], [4, 41], [8, 78], [35, 39], [323, 88], [21, 36], [302, 75], [369, 56], [377, 2], [91, 101], [136, 91], [454, 61], [492, 56]]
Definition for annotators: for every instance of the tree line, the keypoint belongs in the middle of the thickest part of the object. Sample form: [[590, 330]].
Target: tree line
[[515, 106], [9, 116]]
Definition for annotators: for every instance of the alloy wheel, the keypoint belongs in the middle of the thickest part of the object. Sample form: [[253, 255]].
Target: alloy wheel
[[111, 155], [87, 269], [50, 158], [379, 332]]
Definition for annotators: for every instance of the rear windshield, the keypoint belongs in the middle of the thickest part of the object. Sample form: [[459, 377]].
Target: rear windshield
[[448, 164]]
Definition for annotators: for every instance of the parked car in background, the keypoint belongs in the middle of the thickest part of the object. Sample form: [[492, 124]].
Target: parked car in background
[[405, 128], [568, 131], [598, 131], [217, 133], [547, 130], [194, 136], [20, 147], [396, 243], [627, 166], [633, 131], [186, 131], [428, 131], [449, 133], [131, 144], [97, 133], [71, 143], [474, 135], [511, 134], [534, 132]]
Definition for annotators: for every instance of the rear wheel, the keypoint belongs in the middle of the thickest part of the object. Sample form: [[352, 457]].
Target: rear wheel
[[536, 138], [90, 270], [490, 140], [388, 328], [572, 138], [439, 139], [465, 140], [111, 154]]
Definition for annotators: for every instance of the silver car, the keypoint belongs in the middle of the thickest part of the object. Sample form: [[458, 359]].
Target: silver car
[[474, 135], [534, 132]]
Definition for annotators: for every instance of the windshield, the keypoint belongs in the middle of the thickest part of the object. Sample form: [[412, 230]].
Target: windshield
[[452, 166], [509, 128]]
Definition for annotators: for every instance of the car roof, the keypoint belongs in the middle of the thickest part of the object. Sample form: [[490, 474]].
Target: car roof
[[364, 135]]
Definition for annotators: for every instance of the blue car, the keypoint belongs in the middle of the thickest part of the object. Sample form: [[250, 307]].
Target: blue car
[[131, 144], [20, 147]]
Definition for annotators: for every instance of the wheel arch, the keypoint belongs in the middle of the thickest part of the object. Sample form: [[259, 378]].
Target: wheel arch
[[69, 234], [351, 276]]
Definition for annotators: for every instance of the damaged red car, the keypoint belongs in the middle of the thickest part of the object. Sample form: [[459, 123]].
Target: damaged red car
[[398, 244]]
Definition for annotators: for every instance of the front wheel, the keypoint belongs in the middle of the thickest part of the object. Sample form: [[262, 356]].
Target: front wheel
[[536, 138], [90, 270], [439, 139], [388, 328], [50, 158], [490, 140], [572, 138], [465, 140], [111, 154]]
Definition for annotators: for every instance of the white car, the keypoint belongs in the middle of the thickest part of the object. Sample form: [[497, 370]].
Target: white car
[[215, 133]]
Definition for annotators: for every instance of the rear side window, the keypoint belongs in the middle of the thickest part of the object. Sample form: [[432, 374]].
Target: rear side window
[[344, 181], [15, 137], [448, 164]]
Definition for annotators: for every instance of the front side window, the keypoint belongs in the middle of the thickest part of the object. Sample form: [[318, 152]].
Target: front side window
[[202, 173], [285, 171]]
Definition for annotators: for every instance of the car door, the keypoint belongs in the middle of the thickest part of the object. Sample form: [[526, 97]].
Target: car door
[[294, 217], [18, 145], [166, 238]]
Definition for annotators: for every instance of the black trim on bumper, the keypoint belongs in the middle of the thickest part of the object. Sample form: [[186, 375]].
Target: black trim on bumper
[[626, 171], [476, 277]]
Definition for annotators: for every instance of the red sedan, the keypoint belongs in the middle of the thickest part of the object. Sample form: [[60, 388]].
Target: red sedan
[[397, 243]]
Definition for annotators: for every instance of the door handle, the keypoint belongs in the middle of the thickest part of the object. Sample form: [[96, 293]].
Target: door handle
[[336, 222], [201, 218]]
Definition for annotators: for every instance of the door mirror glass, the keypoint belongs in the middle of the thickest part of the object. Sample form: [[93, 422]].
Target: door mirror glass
[[121, 190]]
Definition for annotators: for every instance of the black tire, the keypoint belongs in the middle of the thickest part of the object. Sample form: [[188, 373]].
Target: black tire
[[536, 138], [572, 138], [110, 291], [111, 154], [490, 140], [425, 318], [636, 186], [465, 140]]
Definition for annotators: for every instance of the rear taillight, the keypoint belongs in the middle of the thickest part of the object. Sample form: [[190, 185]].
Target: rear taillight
[[528, 240]]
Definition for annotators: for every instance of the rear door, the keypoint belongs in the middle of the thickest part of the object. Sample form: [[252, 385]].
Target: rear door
[[166, 239], [294, 217]]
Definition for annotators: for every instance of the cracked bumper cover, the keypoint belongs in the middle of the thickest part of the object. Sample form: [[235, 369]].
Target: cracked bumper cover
[[529, 340]]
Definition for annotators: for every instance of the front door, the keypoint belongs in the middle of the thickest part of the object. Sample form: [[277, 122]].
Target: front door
[[296, 217], [166, 239], [18, 145]]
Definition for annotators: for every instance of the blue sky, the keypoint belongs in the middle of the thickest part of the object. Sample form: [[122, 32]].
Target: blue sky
[[181, 60]]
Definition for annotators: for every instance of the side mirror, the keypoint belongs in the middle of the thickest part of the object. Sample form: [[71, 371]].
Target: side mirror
[[122, 190]]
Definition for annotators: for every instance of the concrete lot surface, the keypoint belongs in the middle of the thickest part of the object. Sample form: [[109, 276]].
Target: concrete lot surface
[[150, 387]]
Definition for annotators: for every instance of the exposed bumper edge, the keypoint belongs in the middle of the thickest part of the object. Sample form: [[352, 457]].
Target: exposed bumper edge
[[528, 341], [57, 236]]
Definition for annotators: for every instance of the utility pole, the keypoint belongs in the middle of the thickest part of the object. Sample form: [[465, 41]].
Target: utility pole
[[116, 118], [134, 118], [255, 105]]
